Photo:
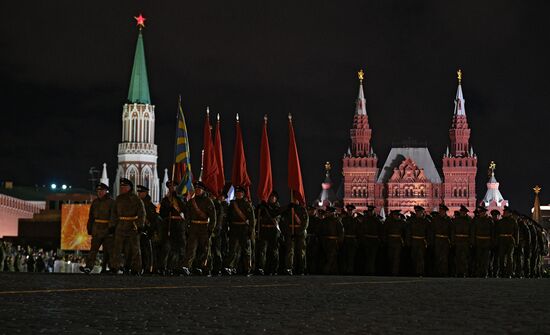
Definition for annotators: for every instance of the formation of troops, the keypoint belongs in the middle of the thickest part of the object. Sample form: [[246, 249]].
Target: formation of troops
[[206, 235]]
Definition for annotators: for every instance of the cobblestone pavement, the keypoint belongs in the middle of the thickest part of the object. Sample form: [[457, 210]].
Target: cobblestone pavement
[[46, 303]]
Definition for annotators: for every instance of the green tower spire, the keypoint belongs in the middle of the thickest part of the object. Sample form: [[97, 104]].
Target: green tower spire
[[139, 86]]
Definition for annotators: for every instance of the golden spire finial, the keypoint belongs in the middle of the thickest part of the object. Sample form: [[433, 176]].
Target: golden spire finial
[[537, 189], [492, 166], [361, 75], [459, 75], [328, 167]]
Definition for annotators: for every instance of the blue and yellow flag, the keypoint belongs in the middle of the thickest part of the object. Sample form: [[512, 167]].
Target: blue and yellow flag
[[182, 163]]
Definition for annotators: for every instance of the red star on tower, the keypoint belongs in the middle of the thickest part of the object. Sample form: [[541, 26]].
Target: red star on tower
[[140, 21]]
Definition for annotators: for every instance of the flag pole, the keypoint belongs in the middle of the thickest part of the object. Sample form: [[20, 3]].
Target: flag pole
[[291, 191]]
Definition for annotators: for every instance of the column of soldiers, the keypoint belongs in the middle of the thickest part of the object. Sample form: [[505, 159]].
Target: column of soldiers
[[206, 235]]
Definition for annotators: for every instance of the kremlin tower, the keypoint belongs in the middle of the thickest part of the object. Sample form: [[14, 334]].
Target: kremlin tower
[[493, 199], [137, 154]]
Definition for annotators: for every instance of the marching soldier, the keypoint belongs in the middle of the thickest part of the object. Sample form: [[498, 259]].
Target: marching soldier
[[268, 232], [242, 223], [201, 220], [393, 236], [215, 261], [417, 236], [151, 222], [530, 258], [294, 230], [349, 246], [331, 233], [98, 226], [493, 254], [370, 232], [441, 237], [172, 232], [128, 219], [484, 240], [313, 244], [522, 248], [462, 237], [506, 232]]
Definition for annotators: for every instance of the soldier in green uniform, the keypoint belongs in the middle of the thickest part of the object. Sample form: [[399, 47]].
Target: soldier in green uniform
[[462, 236], [370, 232], [543, 242], [493, 253], [483, 241], [313, 243], [418, 234], [331, 233], [394, 233], [242, 222], [152, 219], [201, 220], [349, 246], [215, 261], [522, 248], [98, 226], [128, 219], [172, 230], [506, 232], [294, 229], [267, 232], [441, 237]]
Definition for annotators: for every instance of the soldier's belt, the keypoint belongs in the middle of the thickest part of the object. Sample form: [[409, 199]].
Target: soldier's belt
[[506, 235], [418, 237], [101, 221], [349, 236], [239, 222], [268, 226], [331, 237], [370, 236], [394, 235], [199, 221], [128, 218], [462, 235], [483, 237], [176, 217], [441, 236]]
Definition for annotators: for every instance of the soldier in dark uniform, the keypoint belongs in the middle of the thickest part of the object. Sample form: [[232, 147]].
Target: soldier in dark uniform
[[215, 262], [331, 233], [98, 226], [484, 240], [462, 235], [128, 218], [531, 253], [370, 231], [493, 253], [506, 232], [173, 230], [242, 223], [394, 233], [418, 234], [543, 250], [268, 232], [294, 229], [349, 246], [152, 220], [522, 248], [441, 237], [201, 220], [313, 243]]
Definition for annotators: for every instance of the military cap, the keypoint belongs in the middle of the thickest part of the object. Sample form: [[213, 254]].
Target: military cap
[[126, 182], [418, 208], [481, 209], [239, 189], [350, 206], [464, 209], [443, 207], [199, 184], [434, 213], [101, 187], [141, 188], [395, 211], [274, 194], [171, 183], [371, 207], [495, 212]]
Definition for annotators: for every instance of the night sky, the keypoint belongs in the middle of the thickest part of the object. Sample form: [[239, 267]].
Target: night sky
[[65, 70]]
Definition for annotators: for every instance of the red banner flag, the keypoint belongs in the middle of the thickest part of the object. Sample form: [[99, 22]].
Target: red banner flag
[[219, 155], [265, 186], [210, 164], [295, 183], [239, 175]]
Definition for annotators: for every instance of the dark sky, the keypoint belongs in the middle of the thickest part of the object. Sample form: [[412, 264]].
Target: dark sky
[[65, 69]]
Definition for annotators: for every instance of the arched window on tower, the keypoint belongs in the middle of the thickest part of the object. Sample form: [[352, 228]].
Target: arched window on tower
[[455, 193], [465, 193], [460, 192], [422, 194], [147, 178], [354, 193], [396, 191], [436, 193], [132, 174]]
